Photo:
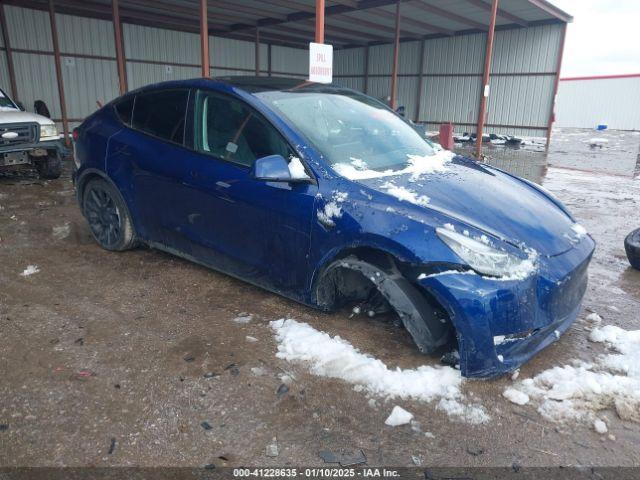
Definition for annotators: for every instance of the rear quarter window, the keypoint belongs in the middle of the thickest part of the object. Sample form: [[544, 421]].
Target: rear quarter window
[[124, 109], [162, 114]]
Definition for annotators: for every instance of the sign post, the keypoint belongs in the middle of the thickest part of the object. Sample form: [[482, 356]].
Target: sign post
[[320, 63]]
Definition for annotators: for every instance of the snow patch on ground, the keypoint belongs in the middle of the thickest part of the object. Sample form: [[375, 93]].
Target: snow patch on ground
[[399, 416], [61, 232], [334, 357], [515, 396], [417, 165], [578, 391], [600, 427], [30, 270], [405, 195], [243, 318]]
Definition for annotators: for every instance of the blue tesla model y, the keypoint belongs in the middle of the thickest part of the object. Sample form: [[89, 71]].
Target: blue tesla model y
[[326, 196]]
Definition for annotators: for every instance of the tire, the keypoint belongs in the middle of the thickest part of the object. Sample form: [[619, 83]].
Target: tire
[[421, 318], [50, 167], [108, 216], [632, 247]]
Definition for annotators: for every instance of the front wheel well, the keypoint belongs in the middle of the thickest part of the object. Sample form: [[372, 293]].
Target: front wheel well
[[367, 276]]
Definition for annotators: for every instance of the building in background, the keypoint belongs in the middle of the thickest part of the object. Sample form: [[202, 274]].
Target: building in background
[[442, 52], [586, 102]]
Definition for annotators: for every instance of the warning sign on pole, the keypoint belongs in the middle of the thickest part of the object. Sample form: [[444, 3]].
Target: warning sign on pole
[[320, 63]]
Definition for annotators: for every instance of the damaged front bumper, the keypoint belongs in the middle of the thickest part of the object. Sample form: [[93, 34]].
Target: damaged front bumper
[[501, 324]]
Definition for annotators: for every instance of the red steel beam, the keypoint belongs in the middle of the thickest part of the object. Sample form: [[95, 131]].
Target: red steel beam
[[396, 51], [319, 21], [204, 40], [485, 77], [7, 46], [120, 60], [57, 61], [552, 113]]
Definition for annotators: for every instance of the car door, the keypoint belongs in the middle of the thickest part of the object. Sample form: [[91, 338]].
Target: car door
[[149, 155], [261, 229]]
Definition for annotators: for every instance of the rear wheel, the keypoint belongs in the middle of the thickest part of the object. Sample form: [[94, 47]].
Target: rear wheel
[[632, 247], [49, 167], [107, 215]]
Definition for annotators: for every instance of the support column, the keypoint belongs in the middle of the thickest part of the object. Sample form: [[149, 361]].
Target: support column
[[319, 21], [120, 60], [420, 82], [366, 69], [396, 50], [485, 78], [552, 113], [257, 54], [58, 64], [204, 39], [269, 59], [7, 46]]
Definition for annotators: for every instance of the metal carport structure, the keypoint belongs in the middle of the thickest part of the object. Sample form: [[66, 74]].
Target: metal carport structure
[[435, 56]]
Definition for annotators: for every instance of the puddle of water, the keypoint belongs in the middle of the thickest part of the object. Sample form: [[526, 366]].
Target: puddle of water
[[570, 148]]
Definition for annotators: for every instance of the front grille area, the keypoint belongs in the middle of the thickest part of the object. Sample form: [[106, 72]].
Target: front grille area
[[18, 134]]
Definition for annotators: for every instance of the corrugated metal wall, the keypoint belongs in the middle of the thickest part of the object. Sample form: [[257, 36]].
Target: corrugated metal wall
[[521, 85], [88, 59], [587, 103], [521, 92]]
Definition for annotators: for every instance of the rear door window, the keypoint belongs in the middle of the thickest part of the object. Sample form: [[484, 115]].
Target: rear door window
[[162, 114], [228, 129]]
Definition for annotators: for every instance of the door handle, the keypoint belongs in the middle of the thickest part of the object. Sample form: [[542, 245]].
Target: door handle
[[220, 184]]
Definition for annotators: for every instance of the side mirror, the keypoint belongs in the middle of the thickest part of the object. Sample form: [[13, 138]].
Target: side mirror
[[274, 168]]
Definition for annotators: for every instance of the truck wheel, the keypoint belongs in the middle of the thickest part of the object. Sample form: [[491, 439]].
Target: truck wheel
[[108, 216], [632, 247], [49, 167]]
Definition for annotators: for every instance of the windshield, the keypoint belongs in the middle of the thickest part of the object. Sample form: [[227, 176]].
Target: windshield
[[352, 131], [6, 103]]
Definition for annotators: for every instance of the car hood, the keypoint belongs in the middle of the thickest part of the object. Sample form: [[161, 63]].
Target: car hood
[[487, 199], [17, 116]]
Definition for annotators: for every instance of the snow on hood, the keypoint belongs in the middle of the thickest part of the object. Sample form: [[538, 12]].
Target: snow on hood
[[417, 165], [334, 357], [478, 196]]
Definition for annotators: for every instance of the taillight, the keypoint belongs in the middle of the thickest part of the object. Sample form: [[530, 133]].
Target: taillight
[[75, 134]]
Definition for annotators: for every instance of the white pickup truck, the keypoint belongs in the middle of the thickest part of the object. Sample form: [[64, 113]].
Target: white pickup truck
[[28, 138]]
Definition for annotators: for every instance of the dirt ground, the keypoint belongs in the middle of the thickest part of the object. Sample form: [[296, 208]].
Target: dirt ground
[[118, 358]]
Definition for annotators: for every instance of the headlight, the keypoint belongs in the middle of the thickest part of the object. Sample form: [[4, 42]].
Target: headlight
[[48, 131], [485, 259]]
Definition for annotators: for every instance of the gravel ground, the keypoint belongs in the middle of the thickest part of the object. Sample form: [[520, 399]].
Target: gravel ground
[[118, 358]]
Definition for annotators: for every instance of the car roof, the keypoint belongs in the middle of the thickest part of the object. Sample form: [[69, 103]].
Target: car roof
[[250, 84]]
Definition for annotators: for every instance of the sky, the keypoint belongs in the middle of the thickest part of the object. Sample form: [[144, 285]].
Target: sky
[[604, 38]]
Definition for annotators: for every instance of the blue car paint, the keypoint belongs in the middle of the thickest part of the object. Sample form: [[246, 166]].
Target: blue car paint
[[269, 234]]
